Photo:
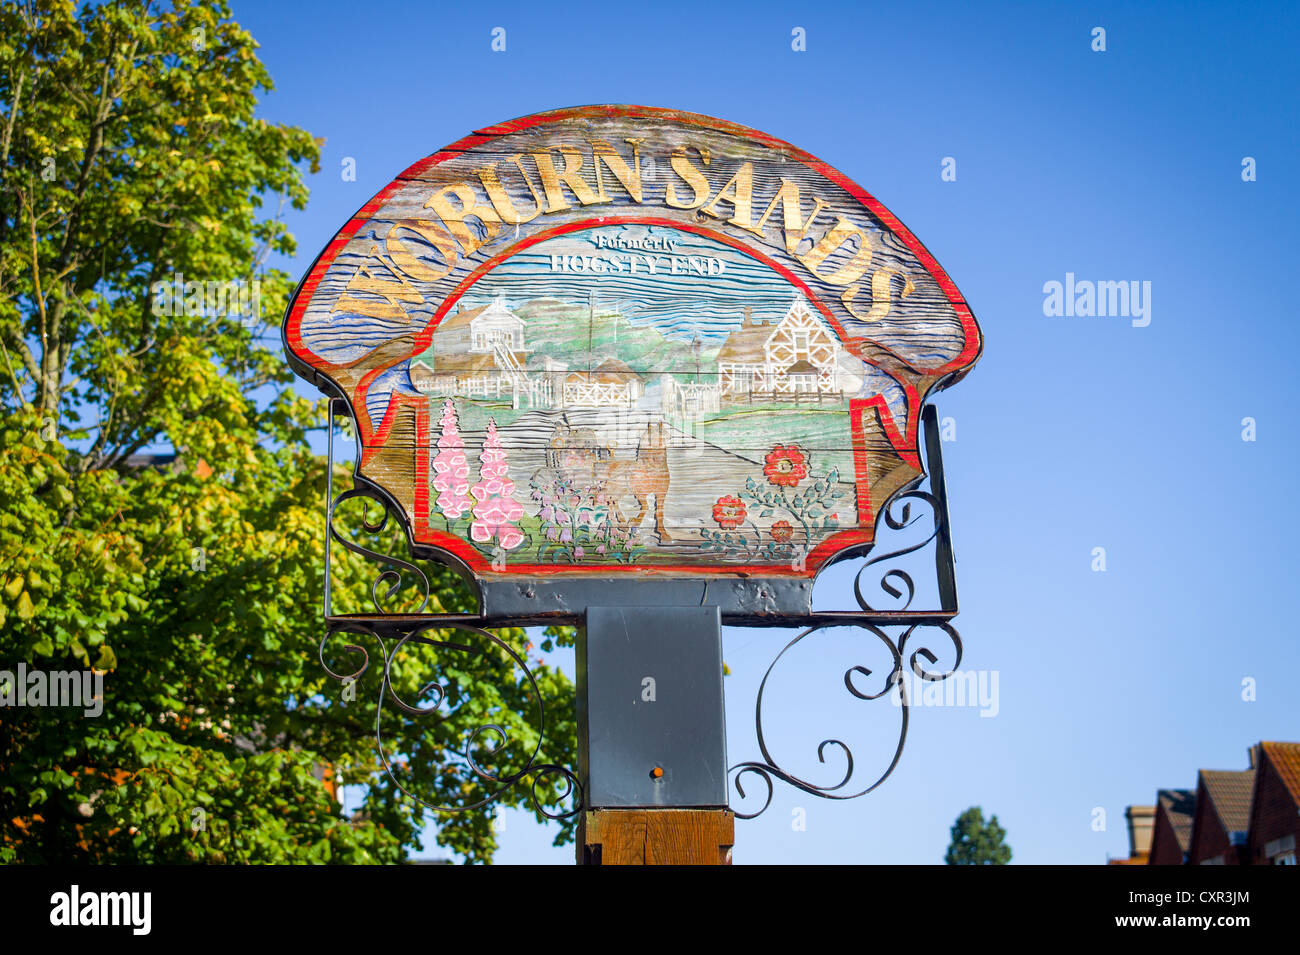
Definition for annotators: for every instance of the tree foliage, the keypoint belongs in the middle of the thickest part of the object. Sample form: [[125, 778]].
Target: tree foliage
[[976, 841], [131, 153]]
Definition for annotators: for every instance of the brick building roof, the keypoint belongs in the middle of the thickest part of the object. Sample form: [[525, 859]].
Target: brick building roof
[[1285, 758], [1179, 806], [1230, 793]]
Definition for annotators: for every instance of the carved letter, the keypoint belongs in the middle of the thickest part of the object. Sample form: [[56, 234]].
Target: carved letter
[[501, 201], [690, 175], [407, 262], [795, 226], [842, 232], [454, 218], [392, 292], [571, 177], [629, 177], [739, 194]]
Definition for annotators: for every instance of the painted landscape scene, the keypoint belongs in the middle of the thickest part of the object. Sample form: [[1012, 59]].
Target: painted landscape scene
[[598, 428]]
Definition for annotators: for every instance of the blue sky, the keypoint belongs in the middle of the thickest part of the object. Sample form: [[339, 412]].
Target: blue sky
[[1071, 433]]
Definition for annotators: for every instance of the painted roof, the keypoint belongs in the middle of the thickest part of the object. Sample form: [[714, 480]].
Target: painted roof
[[464, 363], [746, 344], [460, 317], [465, 316], [614, 367], [497, 310]]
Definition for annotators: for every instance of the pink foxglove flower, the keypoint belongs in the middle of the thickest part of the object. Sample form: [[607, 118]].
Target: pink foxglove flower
[[451, 468], [497, 510]]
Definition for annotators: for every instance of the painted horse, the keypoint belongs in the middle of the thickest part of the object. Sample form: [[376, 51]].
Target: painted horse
[[644, 477], [577, 455]]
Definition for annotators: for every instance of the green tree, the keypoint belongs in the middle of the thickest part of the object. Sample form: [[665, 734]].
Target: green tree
[[131, 153], [976, 841]]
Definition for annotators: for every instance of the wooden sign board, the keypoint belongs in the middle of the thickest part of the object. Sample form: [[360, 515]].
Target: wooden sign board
[[616, 340]]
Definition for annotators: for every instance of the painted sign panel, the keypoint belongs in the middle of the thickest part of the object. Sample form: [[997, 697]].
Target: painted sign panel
[[618, 339]]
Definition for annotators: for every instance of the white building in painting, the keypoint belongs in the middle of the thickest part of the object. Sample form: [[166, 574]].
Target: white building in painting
[[483, 353], [797, 356], [612, 384], [477, 352]]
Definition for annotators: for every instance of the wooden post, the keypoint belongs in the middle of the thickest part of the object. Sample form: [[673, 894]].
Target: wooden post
[[656, 837]]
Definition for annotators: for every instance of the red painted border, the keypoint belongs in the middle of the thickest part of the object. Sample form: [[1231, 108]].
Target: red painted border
[[424, 534], [904, 444]]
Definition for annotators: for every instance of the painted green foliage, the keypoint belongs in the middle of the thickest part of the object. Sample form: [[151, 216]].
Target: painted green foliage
[[131, 155], [580, 521], [793, 504]]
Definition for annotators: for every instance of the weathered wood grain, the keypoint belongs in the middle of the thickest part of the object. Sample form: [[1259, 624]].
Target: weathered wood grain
[[632, 340]]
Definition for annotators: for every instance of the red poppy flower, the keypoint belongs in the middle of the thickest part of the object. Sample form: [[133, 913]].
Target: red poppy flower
[[782, 531], [786, 465], [729, 512]]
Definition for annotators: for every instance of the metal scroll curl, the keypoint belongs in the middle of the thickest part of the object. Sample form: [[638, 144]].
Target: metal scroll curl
[[898, 516], [391, 575], [855, 682], [436, 700]]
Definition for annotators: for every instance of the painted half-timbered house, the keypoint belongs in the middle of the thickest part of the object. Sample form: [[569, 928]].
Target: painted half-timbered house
[[794, 357]]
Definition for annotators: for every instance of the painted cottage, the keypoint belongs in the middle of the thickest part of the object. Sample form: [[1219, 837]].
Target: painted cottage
[[796, 356], [477, 352], [481, 353]]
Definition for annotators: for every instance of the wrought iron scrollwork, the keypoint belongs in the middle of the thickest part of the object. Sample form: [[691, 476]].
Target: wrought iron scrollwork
[[393, 566], [905, 622], [898, 629], [484, 740], [768, 768], [898, 516], [393, 631]]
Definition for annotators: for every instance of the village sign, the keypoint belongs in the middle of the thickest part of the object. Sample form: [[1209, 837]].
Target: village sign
[[617, 345]]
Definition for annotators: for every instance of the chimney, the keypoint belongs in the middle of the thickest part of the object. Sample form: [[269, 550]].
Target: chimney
[[1253, 752], [1141, 826], [748, 319]]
